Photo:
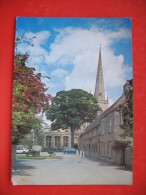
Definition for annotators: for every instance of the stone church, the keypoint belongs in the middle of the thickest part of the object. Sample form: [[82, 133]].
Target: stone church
[[101, 139]]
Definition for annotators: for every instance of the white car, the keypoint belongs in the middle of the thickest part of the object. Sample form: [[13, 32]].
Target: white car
[[22, 151]]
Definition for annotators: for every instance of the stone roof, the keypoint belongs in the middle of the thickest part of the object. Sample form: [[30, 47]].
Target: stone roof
[[97, 121]]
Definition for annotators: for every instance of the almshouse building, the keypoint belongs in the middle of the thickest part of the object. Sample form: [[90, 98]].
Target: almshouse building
[[102, 138]]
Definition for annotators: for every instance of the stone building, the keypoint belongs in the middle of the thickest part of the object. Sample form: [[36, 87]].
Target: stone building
[[60, 138], [102, 137], [56, 138]]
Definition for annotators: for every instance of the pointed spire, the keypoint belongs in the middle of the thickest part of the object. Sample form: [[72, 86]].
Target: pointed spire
[[99, 86]]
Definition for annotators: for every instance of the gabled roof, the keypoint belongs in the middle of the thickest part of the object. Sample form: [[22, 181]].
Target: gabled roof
[[98, 119]]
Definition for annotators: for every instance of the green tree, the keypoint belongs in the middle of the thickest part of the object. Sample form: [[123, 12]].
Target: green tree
[[29, 98], [127, 111], [70, 109]]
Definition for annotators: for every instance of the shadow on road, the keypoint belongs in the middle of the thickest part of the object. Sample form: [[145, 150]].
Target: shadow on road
[[103, 162], [21, 168]]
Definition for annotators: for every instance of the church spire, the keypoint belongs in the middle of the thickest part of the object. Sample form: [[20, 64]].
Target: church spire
[[99, 86]]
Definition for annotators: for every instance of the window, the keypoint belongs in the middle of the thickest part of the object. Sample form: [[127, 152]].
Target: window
[[48, 141], [89, 147], [96, 130], [57, 141], [96, 147], [65, 141], [110, 124], [103, 127], [121, 118], [109, 149]]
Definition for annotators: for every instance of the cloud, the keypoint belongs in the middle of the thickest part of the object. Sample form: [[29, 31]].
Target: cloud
[[80, 47], [34, 47], [59, 72]]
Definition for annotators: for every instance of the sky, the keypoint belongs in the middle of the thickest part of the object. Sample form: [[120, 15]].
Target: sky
[[67, 50]]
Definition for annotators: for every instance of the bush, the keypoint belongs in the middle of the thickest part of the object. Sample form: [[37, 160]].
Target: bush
[[50, 152]]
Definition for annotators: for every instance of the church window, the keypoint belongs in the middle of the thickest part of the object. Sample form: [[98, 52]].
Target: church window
[[48, 141], [65, 141], [57, 141]]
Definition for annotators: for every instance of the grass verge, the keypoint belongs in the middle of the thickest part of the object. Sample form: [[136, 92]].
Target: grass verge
[[39, 157]]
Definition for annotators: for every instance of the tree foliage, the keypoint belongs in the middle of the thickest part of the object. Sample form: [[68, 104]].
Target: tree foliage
[[127, 112], [29, 98], [29, 91], [70, 109]]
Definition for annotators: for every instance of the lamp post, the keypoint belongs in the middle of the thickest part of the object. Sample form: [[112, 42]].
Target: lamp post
[[32, 131]]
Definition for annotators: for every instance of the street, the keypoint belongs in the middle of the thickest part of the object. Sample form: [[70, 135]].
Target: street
[[71, 169]]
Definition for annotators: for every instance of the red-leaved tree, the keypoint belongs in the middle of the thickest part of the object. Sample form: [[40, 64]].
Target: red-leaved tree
[[29, 98]]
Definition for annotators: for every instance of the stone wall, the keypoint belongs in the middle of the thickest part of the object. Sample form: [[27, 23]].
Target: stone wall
[[13, 157], [128, 157]]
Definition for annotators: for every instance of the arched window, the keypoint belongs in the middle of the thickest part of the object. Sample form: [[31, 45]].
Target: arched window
[[48, 141], [57, 141], [65, 141]]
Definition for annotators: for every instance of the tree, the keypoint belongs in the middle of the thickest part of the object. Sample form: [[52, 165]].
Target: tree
[[70, 109], [127, 111], [29, 98]]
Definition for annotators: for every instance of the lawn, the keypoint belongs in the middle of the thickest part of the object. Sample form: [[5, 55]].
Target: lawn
[[39, 157]]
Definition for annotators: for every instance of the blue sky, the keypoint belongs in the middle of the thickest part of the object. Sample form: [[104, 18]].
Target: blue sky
[[67, 49]]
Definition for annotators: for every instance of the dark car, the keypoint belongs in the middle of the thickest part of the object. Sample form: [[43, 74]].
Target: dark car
[[70, 151], [33, 153]]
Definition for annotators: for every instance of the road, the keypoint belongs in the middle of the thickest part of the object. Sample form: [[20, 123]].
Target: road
[[71, 169]]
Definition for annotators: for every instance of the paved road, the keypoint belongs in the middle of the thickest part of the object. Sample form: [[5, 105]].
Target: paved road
[[71, 169]]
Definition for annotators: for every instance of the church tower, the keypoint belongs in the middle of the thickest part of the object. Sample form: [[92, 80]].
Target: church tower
[[99, 86]]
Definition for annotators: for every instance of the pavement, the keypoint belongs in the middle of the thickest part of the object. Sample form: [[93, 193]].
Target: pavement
[[70, 170]]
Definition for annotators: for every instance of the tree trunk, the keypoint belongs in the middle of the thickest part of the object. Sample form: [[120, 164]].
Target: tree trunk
[[72, 137]]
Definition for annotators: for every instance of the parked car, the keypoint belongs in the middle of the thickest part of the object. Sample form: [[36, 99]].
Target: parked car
[[22, 150], [70, 151]]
